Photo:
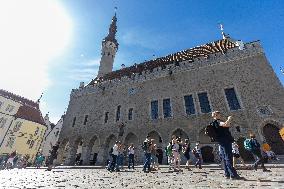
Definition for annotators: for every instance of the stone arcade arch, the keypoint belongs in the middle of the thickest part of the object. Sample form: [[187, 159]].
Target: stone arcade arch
[[203, 138], [107, 146], [207, 154], [157, 138], [180, 133], [75, 152], [273, 138], [91, 151], [132, 138]]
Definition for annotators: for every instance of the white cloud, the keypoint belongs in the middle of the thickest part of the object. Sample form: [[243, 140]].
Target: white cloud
[[87, 71], [32, 33]]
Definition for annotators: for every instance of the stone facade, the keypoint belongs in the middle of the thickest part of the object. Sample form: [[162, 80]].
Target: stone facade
[[51, 135], [258, 90]]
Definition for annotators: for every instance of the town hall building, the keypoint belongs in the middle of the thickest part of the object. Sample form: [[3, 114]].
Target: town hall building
[[173, 95]]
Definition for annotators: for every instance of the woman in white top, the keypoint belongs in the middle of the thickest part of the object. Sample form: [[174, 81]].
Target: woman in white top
[[131, 156], [236, 154]]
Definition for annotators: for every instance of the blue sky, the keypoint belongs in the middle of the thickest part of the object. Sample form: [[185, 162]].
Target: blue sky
[[152, 27]]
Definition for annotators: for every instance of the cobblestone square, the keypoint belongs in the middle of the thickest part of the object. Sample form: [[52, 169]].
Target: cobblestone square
[[208, 177]]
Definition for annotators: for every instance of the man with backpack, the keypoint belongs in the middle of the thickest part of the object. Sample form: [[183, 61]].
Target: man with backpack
[[253, 146], [224, 138], [147, 151]]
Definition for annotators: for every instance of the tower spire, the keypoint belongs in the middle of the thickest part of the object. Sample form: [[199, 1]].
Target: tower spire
[[112, 30], [222, 31], [109, 49]]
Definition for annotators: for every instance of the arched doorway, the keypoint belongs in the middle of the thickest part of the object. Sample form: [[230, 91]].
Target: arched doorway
[[273, 138], [245, 154], [131, 138], [93, 149], [180, 133], [158, 141], [78, 157], [110, 141], [207, 154], [203, 138]]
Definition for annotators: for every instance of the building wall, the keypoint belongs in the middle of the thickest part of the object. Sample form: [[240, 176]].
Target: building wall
[[26, 138], [8, 108], [51, 136], [248, 71]]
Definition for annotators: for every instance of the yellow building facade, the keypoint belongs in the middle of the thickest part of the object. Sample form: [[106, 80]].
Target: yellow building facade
[[26, 127]]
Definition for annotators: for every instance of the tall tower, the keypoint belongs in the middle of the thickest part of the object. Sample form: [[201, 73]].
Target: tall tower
[[109, 49]]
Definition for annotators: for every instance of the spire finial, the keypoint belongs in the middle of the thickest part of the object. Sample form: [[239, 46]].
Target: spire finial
[[222, 31], [38, 100]]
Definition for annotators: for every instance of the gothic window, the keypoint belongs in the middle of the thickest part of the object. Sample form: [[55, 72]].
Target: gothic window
[[232, 99], [86, 119], [154, 109], [189, 105], [167, 109], [10, 142], [17, 126], [204, 103], [36, 131], [118, 113], [106, 117], [56, 133], [2, 122], [32, 144], [74, 121], [130, 114]]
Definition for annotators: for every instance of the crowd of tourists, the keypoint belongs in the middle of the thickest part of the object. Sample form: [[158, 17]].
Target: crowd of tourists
[[15, 160], [217, 130]]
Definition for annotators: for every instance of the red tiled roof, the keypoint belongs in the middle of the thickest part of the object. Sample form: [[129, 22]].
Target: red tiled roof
[[30, 113], [28, 110], [186, 55]]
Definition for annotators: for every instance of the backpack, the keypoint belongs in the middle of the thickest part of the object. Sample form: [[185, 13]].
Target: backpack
[[111, 150], [211, 131], [145, 146], [248, 145]]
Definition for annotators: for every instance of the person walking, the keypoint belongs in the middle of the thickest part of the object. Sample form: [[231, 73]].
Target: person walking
[[53, 155], [256, 151], [225, 139], [176, 155], [186, 151], [236, 154], [114, 155], [147, 152], [131, 156], [10, 161], [197, 153], [39, 159], [169, 154]]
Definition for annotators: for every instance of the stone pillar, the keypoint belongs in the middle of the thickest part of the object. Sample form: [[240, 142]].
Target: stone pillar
[[102, 155], [86, 152], [70, 160]]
